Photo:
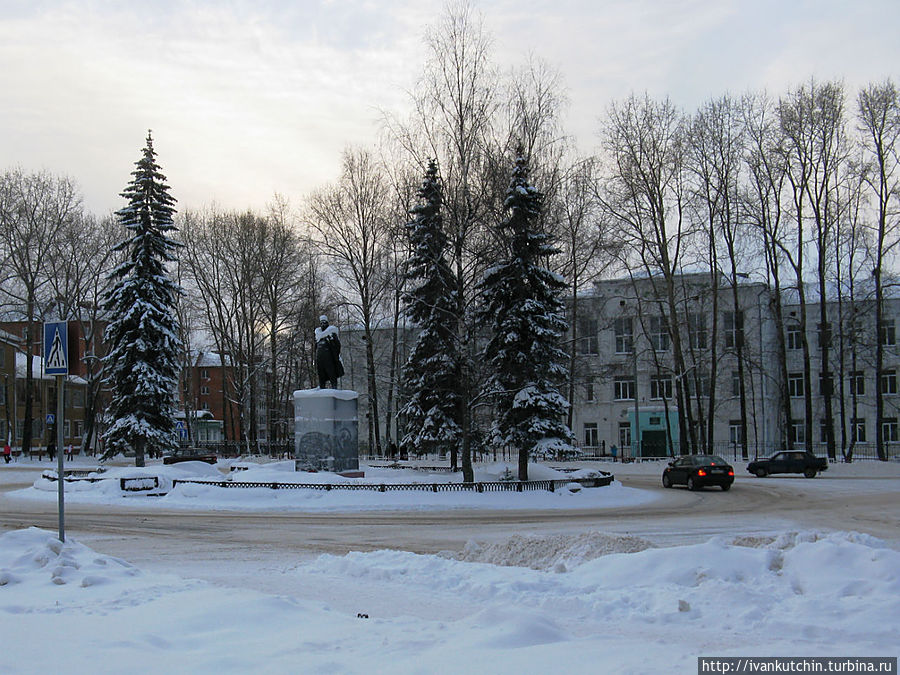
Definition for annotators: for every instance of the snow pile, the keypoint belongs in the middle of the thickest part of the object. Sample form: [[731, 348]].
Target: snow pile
[[197, 495], [69, 609], [558, 553]]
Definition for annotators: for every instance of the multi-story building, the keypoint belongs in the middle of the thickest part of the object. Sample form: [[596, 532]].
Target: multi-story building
[[627, 381]]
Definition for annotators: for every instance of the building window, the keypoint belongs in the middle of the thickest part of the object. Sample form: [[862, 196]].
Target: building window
[[798, 433], [624, 436], [888, 333], [735, 383], [661, 386], [794, 337], [858, 430], [889, 430], [826, 384], [204, 373], [624, 329], [204, 390], [204, 405], [697, 330], [735, 437], [659, 333], [889, 382], [588, 341], [591, 435], [823, 431], [79, 429], [693, 382], [623, 388], [857, 383], [824, 334], [589, 392], [734, 329], [795, 385]]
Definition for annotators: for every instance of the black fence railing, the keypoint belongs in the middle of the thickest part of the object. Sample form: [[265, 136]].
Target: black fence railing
[[480, 486]]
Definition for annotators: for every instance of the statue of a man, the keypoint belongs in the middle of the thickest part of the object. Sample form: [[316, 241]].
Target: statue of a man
[[328, 354]]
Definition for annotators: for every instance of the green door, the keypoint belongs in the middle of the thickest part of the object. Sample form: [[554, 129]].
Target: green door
[[653, 443]]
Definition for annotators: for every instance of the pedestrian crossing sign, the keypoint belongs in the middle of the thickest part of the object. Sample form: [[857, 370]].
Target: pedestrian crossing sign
[[56, 348]]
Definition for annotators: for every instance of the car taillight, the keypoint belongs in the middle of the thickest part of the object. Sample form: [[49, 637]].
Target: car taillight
[[730, 472], [701, 472]]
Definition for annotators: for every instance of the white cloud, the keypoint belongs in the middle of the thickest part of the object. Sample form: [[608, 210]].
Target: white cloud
[[246, 99]]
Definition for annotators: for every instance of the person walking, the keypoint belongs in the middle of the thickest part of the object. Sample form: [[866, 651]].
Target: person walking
[[7, 452]]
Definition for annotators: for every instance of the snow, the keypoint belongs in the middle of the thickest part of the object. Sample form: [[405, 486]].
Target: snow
[[209, 497], [589, 602]]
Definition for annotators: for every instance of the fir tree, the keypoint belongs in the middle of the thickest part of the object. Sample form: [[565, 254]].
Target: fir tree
[[521, 301], [142, 363], [431, 374]]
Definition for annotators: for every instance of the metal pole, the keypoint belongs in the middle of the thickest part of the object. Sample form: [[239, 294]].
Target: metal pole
[[60, 411]]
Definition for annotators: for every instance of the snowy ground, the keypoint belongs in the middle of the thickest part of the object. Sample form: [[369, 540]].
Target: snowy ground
[[593, 602]]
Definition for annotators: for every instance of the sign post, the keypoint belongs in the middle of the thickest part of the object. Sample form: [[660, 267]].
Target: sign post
[[56, 362]]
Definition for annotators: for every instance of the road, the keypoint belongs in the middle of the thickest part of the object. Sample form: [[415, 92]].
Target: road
[[678, 516], [233, 547]]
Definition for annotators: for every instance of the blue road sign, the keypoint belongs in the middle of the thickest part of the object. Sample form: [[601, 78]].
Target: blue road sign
[[56, 348], [51, 418]]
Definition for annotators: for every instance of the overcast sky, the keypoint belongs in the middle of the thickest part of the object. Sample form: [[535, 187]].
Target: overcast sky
[[249, 98]]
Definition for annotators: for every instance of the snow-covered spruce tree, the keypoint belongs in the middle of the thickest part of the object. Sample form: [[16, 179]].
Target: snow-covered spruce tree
[[520, 299], [142, 364], [431, 374]]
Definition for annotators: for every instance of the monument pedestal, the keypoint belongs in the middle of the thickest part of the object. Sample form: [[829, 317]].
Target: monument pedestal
[[326, 429]]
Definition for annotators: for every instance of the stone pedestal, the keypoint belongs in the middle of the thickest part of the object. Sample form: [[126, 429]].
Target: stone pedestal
[[326, 429]]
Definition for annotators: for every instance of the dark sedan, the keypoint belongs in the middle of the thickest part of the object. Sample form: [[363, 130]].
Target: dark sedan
[[190, 455], [789, 461], [698, 471]]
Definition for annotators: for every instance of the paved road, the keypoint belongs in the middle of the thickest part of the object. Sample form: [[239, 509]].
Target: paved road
[[677, 516]]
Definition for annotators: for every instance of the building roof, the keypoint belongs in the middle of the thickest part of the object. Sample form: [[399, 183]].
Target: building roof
[[37, 369]]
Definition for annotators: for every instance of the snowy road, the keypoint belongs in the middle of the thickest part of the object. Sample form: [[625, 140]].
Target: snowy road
[[230, 547]]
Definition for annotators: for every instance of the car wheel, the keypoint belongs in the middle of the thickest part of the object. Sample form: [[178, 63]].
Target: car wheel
[[809, 473], [692, 484], [726, 487], [667, 482], [761, 473]]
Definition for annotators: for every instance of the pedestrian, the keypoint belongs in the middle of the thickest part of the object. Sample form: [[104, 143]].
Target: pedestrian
[[69, 452], [614, 450], [51, 449], [7, 452]]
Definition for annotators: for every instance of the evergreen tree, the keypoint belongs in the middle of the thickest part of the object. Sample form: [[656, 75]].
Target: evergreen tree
[[521, 301], [142, 363], [431, 374]]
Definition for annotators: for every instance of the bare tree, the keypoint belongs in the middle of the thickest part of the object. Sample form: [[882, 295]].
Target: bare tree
[[879, 119], [350, 219], [812, 121], [224, 253], [454, 122], [645, 198], [79, 276], [716, 153], [765, 212], [34, 211]]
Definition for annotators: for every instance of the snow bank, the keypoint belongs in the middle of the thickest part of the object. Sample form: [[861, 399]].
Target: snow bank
[[262, 499], [614, 605]]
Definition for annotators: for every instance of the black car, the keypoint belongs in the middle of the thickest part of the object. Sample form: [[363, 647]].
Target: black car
[[788, 461], [190, 455], [698, 471]]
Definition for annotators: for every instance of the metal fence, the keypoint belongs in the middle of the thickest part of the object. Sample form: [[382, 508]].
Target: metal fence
[[480, 486]]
